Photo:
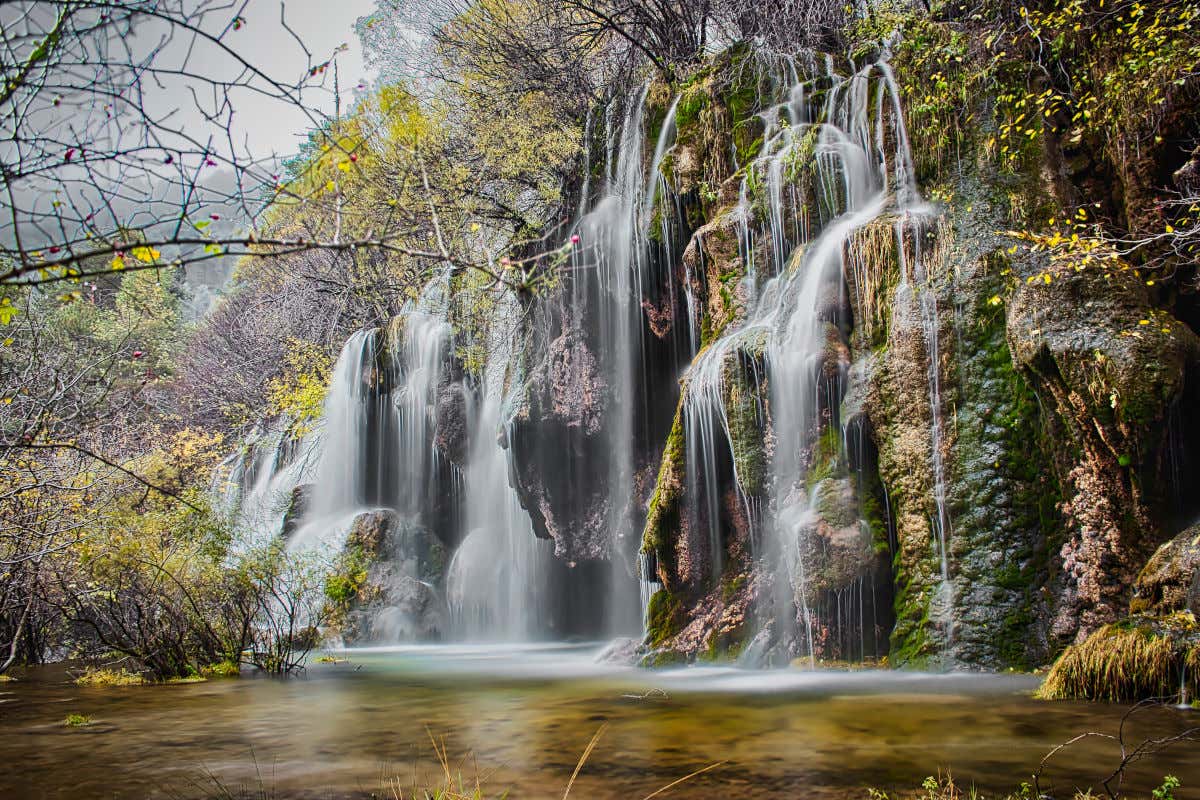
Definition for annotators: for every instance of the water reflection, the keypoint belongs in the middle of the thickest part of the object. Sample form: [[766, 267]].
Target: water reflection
[[524, 714]]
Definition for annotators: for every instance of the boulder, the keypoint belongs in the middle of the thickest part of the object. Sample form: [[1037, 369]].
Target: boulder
[[394, 569], [1170, 581]]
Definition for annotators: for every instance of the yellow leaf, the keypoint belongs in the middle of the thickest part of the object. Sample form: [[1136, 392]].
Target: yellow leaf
[[344, 166], [329, 186], [118, 262], [147, 255], [1143, 322]]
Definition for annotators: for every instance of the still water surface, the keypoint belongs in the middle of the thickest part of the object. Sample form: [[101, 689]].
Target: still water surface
[[520, 717]]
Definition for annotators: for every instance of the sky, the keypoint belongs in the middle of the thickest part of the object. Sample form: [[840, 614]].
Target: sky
[[141, 197], [324, 25]]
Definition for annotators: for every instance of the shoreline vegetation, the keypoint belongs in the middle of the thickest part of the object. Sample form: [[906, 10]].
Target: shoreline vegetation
[[451, 785]]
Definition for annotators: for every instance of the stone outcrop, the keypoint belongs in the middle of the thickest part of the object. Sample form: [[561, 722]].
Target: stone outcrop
[[387, 583], [1109, 365], [1170, 581]]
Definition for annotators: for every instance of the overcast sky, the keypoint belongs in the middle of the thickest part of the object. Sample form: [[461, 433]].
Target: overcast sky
[[324, 25]]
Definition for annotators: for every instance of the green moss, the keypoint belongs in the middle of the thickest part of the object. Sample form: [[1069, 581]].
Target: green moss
[[869, 490], [693, 100], [346, 582], [662, 517], [721, 648], [77, 720], [664, 618], [910, 643], [827, 459], [664, 658], [743, 404]]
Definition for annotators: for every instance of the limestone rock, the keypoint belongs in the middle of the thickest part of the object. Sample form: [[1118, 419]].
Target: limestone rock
[[398, 599], [1170, 581]]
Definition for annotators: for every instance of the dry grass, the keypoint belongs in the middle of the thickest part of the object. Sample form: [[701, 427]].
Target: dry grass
[[872, 264], [1124, 664], [109, 677], [943, 787], [452, 786]]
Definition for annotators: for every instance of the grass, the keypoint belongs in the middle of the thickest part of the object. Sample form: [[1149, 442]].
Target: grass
[[1119, 663], [944, 788], [448, 785], [77, 720], [223, 669], [188, 679], [109, 677]]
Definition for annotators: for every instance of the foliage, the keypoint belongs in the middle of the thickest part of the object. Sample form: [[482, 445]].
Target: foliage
[[77, 720], [1166, 790], [289, 607], [98, 676], [298, 392], [1126, 662]]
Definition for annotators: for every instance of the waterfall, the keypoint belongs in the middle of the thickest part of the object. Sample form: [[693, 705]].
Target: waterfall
[[834, 161], [794, 320], [497, 579], [256, 486], [377, 430], [615, 255]]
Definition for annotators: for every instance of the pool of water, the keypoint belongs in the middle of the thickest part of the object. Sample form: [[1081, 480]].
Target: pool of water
[[519, 718]]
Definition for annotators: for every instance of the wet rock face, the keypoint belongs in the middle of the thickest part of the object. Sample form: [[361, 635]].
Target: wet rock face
[[559, 455], [398, 568], [298, 505], [1002, 491], [1170, 581], [897, 403], [452, 434], [1109, 365]]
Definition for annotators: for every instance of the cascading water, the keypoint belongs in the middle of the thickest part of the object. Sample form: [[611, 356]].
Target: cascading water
[[496, 583], [795, 322], [827, 169], [619, 237], [257, 486], [377, 432]]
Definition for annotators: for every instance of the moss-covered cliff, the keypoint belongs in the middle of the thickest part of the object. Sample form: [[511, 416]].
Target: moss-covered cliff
[[1009, 374]]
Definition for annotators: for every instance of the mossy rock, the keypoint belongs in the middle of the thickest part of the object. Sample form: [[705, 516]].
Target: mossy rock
[[664, 618], [1170, 581]]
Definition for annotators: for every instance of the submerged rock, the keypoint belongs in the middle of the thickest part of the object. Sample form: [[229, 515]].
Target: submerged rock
[[623, 652]]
